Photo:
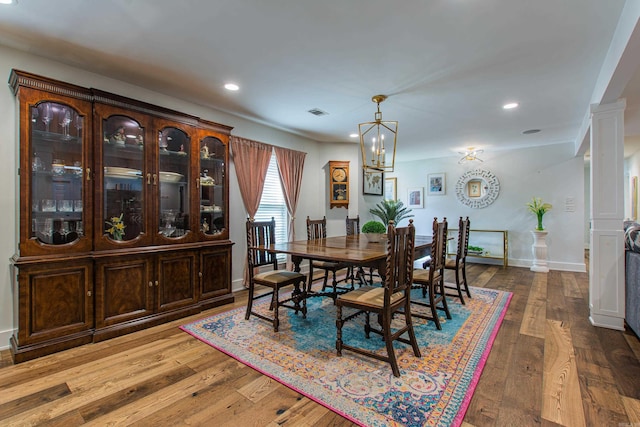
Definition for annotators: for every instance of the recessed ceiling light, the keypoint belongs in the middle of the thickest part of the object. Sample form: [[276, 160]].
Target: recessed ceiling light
[[510, 105], [530, 131], [231, 86], [8, 1], [353, 135]]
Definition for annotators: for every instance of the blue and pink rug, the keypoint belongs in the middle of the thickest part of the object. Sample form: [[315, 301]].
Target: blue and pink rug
[[434, 390]]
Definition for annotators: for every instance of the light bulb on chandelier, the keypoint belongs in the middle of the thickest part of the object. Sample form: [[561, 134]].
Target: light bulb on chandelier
[[470, 154]]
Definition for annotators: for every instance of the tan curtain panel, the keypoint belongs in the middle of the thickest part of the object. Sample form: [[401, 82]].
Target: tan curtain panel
[[290, 168], [251, 160]]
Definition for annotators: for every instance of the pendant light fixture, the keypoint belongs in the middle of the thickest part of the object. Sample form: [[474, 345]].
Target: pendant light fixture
[[470, 154], [378, 141]]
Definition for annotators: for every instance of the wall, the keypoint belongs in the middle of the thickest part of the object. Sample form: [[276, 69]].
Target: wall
[[549, 172]]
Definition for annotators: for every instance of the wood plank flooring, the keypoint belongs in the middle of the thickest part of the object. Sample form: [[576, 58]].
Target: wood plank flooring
[[548, 367]]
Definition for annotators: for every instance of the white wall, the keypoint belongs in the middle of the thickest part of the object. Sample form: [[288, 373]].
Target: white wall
[[550, 172]]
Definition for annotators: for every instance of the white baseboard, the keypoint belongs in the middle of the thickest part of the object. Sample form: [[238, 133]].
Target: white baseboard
[[553, 265], [4, 339]]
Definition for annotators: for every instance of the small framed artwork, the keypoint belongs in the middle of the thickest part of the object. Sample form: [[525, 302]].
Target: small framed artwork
[[474, 188], [436, 184], [372, 182], [415, 196], [390, 189]]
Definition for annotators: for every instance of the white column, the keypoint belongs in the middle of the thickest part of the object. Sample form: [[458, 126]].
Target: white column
[[606, 247]]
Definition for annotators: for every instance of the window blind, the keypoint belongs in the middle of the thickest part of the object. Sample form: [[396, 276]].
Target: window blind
[[272, 204]]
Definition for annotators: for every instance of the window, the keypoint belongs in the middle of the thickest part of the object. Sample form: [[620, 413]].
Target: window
[[272, 204]]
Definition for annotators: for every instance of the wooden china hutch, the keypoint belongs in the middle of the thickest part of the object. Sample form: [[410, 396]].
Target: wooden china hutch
[[123, 220]]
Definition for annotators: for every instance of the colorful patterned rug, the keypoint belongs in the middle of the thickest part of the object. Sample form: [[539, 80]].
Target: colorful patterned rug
[[433, 390]]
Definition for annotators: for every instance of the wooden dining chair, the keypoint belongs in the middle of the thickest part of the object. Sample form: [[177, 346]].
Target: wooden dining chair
[[431, 280], [262, 233], [459, 263], [317, 229], [393, 297]]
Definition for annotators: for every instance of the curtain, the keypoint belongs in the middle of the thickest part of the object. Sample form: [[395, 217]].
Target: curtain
[[251, 160], [290, 167]]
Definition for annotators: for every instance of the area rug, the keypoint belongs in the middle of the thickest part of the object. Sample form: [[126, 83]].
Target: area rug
[[434, 390]]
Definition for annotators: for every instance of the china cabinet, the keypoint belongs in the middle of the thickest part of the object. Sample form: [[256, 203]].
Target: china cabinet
[[123, 216]]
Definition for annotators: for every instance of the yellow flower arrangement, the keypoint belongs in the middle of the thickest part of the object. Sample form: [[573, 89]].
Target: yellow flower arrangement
[[539, 208], [116, 227]]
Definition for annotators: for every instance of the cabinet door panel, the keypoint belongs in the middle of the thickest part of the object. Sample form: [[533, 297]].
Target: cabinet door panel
[[54, 186], [124, 291], [216, 268], [56, 301], [177, 276]]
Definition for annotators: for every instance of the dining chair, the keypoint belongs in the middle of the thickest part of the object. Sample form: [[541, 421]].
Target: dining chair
[[262, 233], [384, 301], [317, 229], [431, 280], [459, 263]]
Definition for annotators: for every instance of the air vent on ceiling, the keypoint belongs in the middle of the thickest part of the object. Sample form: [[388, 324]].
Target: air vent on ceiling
[[530, 131], [318, 112]]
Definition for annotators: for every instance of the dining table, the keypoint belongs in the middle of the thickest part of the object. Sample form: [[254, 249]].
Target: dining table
[[353, 249]]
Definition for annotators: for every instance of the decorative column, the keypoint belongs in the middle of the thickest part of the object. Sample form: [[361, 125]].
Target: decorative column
[[606, 243], [539, 251]]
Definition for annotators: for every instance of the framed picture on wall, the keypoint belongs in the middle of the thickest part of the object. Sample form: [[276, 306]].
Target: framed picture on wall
[[436, 184], [390, 189], [415, 197], [372, 182]]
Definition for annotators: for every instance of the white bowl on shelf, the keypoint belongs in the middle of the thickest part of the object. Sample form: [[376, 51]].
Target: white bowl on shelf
[[170, 177]]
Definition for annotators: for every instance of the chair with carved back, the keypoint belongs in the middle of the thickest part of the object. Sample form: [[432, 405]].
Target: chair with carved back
[[262, 234], [431, 280], [317, 229], [384, 301], [459, 263]]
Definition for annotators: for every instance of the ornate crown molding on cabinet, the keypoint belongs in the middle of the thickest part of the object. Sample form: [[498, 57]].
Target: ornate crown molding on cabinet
[[477, 188], [124, 216]]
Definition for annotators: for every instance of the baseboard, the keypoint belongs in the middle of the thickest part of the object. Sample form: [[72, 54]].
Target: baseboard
[[4, 339], [578, 267]]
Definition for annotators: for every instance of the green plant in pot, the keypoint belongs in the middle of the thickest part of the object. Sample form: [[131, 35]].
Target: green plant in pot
[[374, 231], [391, 210]]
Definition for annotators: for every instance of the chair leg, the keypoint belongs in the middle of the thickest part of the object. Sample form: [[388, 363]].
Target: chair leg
[[391, 354], [458, 286], [412, 336], [432, 305], [326, 279], [339, 330], [464, 278], [445, 306], [249, 302], [276, 321]]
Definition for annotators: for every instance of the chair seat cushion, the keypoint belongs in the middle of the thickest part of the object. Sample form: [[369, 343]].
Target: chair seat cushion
[[278, 276], [371, 296], [420, 274], [327, 265]]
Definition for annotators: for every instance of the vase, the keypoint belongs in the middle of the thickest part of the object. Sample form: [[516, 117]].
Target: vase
[[539, 251], [540, 226], [375, 237]]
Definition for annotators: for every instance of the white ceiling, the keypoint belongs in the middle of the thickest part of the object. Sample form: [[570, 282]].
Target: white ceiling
[[446, 65]]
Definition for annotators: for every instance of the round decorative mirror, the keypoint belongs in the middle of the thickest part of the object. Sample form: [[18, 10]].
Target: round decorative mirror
[[477, 188]]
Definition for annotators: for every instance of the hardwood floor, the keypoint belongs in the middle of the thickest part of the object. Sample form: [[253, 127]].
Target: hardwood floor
[[548, 367]]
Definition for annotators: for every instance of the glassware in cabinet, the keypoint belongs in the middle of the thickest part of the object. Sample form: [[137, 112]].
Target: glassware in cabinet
[[212, 186], [174, 146]]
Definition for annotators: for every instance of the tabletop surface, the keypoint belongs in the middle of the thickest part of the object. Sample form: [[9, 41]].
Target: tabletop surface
[[354, 248]]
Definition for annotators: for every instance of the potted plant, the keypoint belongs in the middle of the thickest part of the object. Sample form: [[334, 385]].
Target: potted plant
[[374, 231], [539, 208], [391, 210]]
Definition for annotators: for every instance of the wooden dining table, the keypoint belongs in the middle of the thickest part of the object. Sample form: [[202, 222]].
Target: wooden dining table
[[354, 249]]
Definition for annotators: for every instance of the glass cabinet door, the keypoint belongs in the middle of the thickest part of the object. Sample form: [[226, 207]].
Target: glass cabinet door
[[173, 176], [56, 173], [212, 186], [123, 184]]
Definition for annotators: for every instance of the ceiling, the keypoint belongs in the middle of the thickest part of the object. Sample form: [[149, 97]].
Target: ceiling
[[447, 66]]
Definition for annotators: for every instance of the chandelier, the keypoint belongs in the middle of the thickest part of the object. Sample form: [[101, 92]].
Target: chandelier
[[470, 154], [376, 138]]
